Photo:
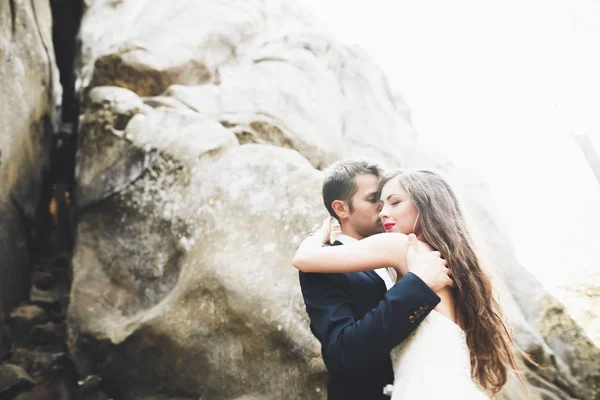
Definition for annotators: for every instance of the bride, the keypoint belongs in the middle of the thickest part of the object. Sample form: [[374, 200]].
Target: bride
[[464, 345]]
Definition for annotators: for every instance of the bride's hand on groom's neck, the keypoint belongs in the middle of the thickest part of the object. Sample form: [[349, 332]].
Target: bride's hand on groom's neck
[[324, 231]]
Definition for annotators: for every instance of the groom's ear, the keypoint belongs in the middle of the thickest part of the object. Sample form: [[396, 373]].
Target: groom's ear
[[341, 208]]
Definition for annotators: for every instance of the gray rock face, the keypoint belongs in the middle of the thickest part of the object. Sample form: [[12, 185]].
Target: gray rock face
[[203, 124], [28, 88], [14, 378], [185, 288], [269, 71]]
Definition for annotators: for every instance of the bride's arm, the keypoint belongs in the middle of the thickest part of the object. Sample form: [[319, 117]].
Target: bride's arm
[[377, 251]]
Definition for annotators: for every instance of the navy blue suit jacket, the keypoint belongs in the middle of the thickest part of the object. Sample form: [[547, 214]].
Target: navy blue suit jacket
[[358, 323]]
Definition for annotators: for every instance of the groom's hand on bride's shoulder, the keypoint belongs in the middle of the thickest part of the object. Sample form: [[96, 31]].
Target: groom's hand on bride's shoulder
[[427, 264]]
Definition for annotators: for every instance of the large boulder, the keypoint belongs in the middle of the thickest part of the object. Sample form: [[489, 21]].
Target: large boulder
[[29, 89], [205, 125], [184, 272]]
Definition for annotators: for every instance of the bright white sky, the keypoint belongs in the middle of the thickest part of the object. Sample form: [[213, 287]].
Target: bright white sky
[[500, 86]]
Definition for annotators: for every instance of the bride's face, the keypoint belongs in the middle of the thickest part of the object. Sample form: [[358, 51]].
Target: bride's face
[[398, 213]]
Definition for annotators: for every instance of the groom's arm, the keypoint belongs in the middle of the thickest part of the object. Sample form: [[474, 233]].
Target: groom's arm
[[351, 345]]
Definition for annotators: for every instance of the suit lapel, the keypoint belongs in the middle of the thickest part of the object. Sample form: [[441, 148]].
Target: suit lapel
[[375, 276]]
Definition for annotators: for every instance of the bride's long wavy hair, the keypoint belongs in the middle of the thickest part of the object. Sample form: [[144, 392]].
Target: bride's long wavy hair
[[441, 224]]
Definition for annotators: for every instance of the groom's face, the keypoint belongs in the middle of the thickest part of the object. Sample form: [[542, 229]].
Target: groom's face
[[364, 217]]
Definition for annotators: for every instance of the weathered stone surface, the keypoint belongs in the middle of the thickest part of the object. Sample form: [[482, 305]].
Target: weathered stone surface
[[42, 280], [4, 340], [200, 190], [267, 69], [23, 320], [182, 265], [13, 379], [121, 163], [48, 387], [36, 360], [29, 88], [50, 296], [178, 302]]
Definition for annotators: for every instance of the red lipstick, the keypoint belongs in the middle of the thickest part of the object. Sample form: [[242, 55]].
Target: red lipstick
[[388, 226]]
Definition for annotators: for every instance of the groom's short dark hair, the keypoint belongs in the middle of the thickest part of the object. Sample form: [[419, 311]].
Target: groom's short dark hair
[[339, 184]]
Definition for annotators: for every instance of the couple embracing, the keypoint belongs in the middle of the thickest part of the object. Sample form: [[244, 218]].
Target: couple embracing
[[400, 302]]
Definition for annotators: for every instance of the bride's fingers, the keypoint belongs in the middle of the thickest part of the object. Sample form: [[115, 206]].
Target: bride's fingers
[[336, 229], [326, 225]]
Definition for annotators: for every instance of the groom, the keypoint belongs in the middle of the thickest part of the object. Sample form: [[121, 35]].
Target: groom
[[355, 317]]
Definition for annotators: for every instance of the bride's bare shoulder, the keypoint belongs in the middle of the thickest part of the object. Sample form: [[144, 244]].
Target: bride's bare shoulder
[[390, 237], [394, 239], [386, 241]]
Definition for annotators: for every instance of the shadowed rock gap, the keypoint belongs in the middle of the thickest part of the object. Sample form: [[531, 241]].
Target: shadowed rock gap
[[13, 15]]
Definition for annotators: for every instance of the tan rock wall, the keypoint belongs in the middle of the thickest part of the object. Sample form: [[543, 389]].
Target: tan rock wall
[[29, 88]]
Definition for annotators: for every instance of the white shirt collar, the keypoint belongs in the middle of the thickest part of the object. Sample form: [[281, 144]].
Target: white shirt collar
[[346, 239]]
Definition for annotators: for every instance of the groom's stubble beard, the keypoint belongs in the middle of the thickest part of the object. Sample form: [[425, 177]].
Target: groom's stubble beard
[[372, 230]]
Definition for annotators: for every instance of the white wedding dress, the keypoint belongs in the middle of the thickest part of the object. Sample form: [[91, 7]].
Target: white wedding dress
[[434, 363]]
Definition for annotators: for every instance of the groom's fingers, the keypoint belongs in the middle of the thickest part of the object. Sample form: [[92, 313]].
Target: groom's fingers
[[450, 280], [428, 265]]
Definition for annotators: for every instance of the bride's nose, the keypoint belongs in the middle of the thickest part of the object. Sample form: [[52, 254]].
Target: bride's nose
[[383, 213]]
